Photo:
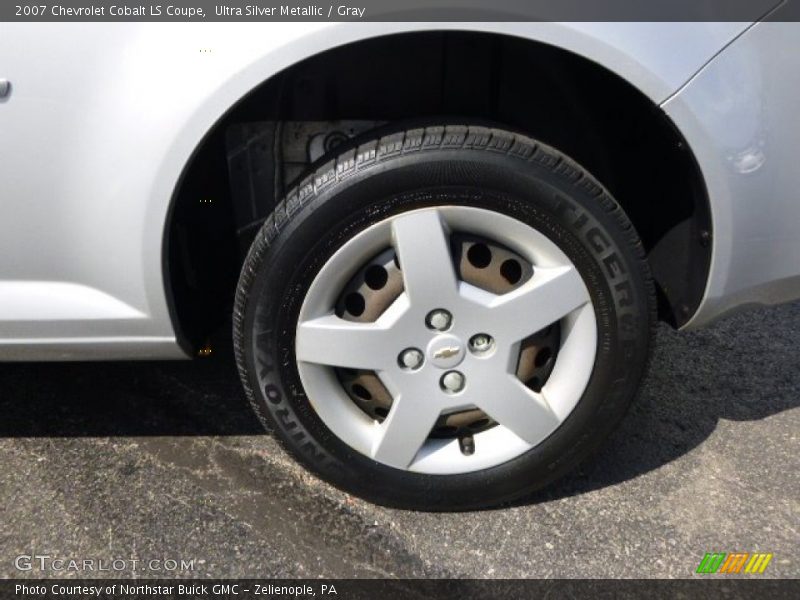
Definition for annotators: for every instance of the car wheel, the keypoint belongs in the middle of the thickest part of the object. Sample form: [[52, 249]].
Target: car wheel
[[444, 318]]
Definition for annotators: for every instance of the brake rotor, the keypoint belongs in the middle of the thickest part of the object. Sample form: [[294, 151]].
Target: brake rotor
[[479, 262]]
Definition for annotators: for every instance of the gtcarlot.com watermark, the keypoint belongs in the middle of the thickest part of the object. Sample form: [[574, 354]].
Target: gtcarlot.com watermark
[[55, 564]]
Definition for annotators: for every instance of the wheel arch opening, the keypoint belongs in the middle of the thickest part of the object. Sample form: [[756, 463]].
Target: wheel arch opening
[[258, 149]]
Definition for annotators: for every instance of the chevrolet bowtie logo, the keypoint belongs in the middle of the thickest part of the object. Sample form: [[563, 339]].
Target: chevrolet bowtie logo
[[447, 352]]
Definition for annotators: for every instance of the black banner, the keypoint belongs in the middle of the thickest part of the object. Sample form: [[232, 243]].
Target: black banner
[[398, 10], [376, 589]]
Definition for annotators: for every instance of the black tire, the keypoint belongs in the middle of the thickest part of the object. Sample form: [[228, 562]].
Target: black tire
[[468, 165]]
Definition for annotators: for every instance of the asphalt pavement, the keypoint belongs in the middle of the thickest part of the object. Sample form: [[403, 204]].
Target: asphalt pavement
[[163, 461]]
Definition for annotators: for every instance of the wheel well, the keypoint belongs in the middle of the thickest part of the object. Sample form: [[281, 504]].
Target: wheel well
[[253, 153]]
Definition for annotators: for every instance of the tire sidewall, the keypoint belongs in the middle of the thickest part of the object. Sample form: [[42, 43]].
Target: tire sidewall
[[575, 216]]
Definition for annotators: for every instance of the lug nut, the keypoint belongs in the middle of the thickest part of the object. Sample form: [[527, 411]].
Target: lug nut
[[439, 319], [481, 343], [453, 382], [411, 358]]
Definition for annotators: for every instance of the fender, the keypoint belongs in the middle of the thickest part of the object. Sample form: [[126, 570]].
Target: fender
[[104, 117]]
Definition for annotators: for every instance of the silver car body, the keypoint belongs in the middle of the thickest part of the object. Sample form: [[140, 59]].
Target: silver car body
[[102, 118]]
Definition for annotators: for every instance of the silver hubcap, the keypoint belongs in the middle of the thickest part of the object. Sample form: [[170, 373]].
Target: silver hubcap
[[443, 344]]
